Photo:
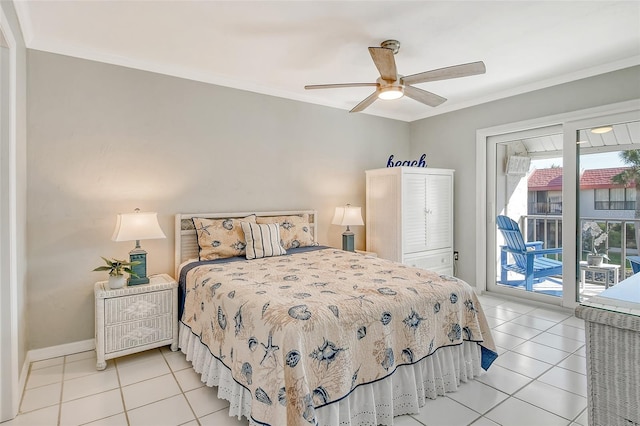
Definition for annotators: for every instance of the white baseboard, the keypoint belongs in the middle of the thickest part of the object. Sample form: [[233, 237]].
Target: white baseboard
[[47, 353], [60, 350]]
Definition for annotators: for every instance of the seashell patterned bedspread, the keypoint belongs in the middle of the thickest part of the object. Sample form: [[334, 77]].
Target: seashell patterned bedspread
[[302, 330]]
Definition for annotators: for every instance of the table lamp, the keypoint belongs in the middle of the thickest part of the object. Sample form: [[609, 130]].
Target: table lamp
[[135, 227], [348, 216]]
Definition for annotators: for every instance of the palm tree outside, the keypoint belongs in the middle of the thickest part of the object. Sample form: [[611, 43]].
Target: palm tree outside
[[628, 177]]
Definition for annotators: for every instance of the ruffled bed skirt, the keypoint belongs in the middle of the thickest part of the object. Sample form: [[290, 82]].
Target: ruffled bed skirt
[[377, 403]]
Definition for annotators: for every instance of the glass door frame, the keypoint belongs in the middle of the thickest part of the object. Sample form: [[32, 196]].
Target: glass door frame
[[485, 167], [10, 386], [571, 221], [493, 209]]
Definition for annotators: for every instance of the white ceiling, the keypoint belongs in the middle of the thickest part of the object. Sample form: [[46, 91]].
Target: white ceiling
[[276, 48]]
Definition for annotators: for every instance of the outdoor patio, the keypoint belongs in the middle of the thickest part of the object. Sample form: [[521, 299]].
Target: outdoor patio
[[553, 285]]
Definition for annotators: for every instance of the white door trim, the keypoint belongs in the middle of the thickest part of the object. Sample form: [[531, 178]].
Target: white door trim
[[483, 220], [9, 371]]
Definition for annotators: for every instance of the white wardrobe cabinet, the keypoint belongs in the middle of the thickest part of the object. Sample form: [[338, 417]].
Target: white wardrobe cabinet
[[410, 216]]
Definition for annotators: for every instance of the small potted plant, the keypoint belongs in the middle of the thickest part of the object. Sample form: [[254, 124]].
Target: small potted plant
[[116, 269], [593, 235]]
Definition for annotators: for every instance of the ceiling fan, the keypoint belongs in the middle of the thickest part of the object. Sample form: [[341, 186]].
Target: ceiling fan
[[391, 85]]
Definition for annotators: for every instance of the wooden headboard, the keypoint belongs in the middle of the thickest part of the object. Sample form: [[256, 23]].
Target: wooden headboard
[[186, 242]]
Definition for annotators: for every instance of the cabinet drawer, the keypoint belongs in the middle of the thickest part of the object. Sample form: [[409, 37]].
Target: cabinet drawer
[[441, 261], [132, 334], [137, 306]]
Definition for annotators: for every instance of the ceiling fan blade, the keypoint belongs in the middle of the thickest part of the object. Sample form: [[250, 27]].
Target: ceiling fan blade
[[338, 86], [368, 101], [455, 71], [423, 96], [386, 64]]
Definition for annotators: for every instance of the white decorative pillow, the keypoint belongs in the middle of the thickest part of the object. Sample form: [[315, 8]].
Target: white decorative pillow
[[262, 240]]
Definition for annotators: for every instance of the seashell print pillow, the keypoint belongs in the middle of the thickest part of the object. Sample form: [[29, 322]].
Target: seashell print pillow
[[221, 238], [295, 231]]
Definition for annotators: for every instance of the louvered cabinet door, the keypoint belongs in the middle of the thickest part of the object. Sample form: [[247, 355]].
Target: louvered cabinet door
[[439, 211], [414, 213]]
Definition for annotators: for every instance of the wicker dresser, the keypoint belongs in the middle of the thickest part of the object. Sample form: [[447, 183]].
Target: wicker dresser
[[612, 328], [135, 318]]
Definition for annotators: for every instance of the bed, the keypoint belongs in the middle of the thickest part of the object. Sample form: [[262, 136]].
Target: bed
[[303, 334]]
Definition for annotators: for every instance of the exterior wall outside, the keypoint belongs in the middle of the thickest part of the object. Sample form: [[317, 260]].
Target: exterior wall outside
[[587, 208], [105, 139], [518, 200], [449, 139]]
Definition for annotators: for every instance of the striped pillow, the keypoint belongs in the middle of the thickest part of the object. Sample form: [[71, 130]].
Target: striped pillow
[[262, 240]]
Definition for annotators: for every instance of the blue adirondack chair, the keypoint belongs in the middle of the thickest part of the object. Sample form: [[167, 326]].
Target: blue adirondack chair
[[635, 263], [528, 258]]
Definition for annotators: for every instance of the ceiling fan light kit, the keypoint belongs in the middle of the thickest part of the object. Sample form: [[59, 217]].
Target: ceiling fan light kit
[[391, 93], [601, 130], [391, 85]]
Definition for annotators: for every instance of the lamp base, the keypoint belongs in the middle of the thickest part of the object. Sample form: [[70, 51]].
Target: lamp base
[[348, 241], [138, 255]]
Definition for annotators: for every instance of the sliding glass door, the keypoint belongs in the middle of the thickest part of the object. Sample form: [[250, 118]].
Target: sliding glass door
[[525, 189], [608, 210], [560, 207]]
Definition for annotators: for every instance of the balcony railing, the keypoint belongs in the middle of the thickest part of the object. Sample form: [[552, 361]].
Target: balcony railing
[[621, 241], [545, 208], [537, 208]]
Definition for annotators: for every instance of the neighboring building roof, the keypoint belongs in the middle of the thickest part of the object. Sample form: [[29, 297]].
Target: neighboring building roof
[[546, 179], [551, 179], [601, 178]]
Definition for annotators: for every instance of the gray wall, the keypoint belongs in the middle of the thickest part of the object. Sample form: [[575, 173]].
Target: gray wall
[[105, 139], [450, 139]]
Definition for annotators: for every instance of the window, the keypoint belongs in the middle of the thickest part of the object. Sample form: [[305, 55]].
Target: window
[[615, 199], [545, 202]]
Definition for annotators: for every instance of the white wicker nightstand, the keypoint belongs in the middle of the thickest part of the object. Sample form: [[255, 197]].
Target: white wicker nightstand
[[135, 318]]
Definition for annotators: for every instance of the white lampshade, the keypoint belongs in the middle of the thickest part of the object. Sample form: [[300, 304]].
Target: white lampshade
[[137, 226], [348, 216]]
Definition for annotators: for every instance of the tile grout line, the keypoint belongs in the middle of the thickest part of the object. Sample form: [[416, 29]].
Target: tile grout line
[[579, 414], [124, 405], [184, 395], [64, 367], [513, 395], [574, 352], [24, 391]]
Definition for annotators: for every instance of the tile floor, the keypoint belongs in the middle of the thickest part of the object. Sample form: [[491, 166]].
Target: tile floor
[[538, 379]]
